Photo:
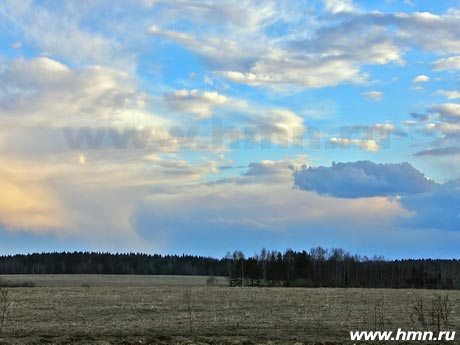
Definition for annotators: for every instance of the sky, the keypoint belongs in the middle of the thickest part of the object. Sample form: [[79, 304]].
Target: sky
[[201, 127]]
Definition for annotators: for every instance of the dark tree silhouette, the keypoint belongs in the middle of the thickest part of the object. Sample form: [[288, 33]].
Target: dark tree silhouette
[[317, 268]]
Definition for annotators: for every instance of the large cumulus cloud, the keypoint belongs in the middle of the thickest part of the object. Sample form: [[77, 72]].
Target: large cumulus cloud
[[362, 179], [437, 210], [432, 205]]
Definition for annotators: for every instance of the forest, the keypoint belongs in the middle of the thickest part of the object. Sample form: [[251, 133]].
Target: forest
[[317, 267]]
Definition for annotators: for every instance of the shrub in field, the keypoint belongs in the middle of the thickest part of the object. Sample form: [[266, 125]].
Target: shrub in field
[[437, 316], [441, 308]]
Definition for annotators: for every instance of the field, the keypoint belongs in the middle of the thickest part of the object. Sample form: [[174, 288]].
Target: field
[[92, 309]]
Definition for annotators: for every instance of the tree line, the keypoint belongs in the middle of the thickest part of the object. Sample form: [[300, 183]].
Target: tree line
[[318, 267]]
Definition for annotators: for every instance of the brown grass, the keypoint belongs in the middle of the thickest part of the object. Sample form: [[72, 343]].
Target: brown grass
[[184, 310]]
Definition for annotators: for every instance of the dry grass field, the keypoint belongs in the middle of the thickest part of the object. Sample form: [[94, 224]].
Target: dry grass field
[[91, 309]]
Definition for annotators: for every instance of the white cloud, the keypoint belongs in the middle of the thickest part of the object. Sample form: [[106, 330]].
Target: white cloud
[[200, 103], [93, 194], [57, 31], [443, 131], [451, 63], [279, 73], [264, 205], [48, 92], [82, 192], [448, 111], [279, 126], [374, 95], [304, 56], [449, 94], [421, 79], [364, 144], [26, 201], [218, 51], [339, 6]]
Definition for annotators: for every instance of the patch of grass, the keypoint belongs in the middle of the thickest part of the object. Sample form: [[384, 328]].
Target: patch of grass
[[183, 310], [16, 284], [4, 306]]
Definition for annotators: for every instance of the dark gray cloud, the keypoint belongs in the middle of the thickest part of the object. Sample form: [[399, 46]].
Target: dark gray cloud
[[362, 179]]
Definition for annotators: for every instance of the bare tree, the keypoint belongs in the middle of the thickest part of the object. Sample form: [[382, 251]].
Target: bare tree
[[419, 312]]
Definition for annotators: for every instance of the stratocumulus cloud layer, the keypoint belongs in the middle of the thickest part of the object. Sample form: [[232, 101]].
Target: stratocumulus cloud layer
[[174, 126]]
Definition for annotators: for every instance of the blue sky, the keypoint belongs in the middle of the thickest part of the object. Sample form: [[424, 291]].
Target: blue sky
[[208, 126]]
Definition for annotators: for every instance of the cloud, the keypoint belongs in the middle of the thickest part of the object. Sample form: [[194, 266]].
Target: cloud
[[16, 45], [415, 29], [441, 124], [366, 137], [58, 31], [451, 63], [362, 179], [430, 205], [27, 201], [300, 71], [447, 133], [261, 207], [335, 46], [439, 209], [196, 102], [374, 95], [338, 6], [443, 151], [85, 75], [365, 144], [91, 194], [217, 51], [419, 116], [45, 91], [449, 94], [243, 123], [268, 167], [421, 79], [244, 49], [449, 112], [376, 46]]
